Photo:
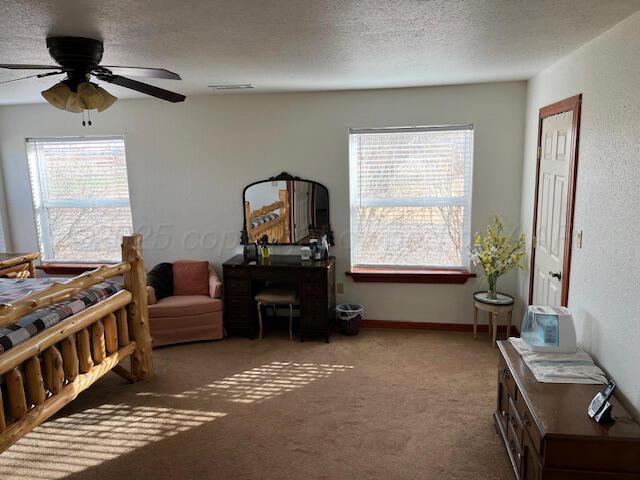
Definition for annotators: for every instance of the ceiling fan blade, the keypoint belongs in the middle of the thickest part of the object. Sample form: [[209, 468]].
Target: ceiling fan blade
[[37, 75], [12, 66], [142, 72], [142, 87]]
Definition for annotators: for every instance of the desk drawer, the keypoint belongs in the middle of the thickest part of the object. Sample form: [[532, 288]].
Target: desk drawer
[[315, 275], [239, 308], [237, 286], [275, 275], [230, 272]]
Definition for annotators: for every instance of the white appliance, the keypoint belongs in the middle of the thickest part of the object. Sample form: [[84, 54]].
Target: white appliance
[[549, 329]]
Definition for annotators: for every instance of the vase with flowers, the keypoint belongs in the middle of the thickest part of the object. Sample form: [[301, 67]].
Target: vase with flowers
[[264, 247], [497, 253]]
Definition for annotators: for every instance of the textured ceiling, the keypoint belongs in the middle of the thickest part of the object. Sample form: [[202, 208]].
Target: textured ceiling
[[293, 45]]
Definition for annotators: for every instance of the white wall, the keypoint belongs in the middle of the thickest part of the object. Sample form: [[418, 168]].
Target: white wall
[[188, 164], [604, 292]]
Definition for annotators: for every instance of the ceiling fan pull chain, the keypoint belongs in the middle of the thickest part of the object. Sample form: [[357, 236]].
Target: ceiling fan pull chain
[[89, 116], [84, 124]]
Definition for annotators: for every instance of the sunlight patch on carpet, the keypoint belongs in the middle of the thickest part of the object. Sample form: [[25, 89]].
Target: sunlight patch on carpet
[[71, 444], [260, 383]]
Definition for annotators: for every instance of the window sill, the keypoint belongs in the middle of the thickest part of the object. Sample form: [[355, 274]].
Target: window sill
[[60, 268], [410, 275]]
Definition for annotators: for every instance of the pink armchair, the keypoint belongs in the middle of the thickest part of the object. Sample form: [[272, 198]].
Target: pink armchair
[[193, 312]]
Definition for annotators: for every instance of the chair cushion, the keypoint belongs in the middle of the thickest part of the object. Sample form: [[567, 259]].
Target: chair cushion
[[185, 305], [191, 278], [278, 295]]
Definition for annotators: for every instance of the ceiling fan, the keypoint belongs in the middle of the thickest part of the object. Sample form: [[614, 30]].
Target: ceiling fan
[[79, 59]]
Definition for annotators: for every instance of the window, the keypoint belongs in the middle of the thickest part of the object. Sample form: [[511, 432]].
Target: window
[[3, 244], [411, 197], [80, 197]]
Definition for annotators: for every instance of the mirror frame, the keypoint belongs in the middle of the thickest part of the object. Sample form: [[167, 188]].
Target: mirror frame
[[284, 176]]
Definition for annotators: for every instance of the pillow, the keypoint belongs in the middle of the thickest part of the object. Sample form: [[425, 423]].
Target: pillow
[[191, 278], [151, 296], [161, 279]]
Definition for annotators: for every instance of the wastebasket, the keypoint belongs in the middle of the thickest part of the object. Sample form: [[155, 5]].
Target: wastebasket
[[350, 317]]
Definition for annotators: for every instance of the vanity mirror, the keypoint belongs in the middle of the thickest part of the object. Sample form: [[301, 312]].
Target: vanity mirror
[[289, 210]]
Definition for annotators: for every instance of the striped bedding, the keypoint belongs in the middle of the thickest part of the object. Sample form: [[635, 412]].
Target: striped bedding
[[35, 322]]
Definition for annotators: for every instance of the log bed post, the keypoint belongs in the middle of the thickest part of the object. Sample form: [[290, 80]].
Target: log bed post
[[135, 281], [3, 422]]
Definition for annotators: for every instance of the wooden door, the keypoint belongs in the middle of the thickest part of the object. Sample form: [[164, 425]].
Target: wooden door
[[301, 210], [554, 203]]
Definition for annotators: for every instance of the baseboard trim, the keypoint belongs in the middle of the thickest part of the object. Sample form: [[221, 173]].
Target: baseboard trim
[[446, 327]]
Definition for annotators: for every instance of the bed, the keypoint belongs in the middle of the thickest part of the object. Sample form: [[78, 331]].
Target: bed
[[60, 338], [18, 265], [271, 220]]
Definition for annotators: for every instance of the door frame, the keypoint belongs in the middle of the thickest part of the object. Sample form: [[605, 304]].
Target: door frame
[[568, 104]]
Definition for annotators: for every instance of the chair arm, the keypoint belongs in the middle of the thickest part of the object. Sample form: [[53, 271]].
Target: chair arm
[[215, 285], [151, 295]]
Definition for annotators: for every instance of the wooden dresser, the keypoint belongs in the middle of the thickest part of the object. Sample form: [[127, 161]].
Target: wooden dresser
[[315, 281], [548, 434]]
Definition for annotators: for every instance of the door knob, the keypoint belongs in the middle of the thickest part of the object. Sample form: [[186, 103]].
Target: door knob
[[557, 275]]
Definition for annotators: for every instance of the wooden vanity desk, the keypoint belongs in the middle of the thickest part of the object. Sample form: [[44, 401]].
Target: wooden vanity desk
[[315, 281], [548, 435]]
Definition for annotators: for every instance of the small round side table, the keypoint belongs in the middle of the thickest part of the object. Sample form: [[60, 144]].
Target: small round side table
[[493, 306]]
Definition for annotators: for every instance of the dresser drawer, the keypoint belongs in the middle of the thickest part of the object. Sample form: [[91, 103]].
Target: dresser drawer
[[530, 468], [529, 424], [516, 423], [503, 398], [507, 378], [515, 450], [510, 383]]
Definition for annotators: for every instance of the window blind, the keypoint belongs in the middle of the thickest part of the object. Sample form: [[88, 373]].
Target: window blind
[[411, 196], [80, 196], [3, 243]]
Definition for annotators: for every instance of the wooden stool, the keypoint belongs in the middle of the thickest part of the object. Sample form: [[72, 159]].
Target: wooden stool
[[494, 306], [277, 295]]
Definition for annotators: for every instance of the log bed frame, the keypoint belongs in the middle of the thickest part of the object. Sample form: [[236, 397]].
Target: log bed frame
[[276, 229], [49, 370], [18, 265]]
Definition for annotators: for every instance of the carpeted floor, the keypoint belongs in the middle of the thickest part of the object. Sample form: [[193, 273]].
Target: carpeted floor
[[387, 404]]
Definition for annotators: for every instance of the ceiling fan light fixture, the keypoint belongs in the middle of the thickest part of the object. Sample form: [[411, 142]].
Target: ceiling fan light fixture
[[58, 95], [75, 103], [107, 99], [89, 95], [95, 97]]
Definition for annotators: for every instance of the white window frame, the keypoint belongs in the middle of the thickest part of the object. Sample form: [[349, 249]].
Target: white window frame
[[3, 236], [465, 200], [42, 202]]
